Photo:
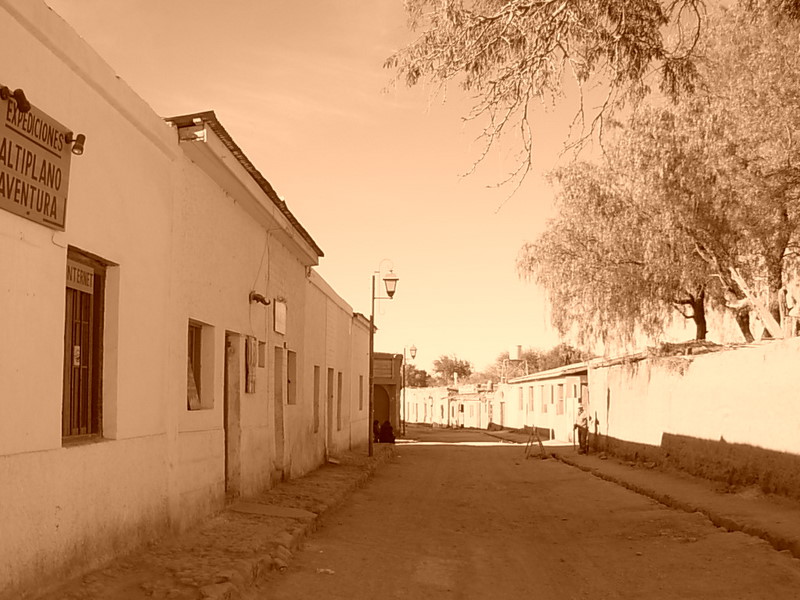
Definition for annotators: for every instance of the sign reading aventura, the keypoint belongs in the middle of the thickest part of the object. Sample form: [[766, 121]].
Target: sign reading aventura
[[34, 165]]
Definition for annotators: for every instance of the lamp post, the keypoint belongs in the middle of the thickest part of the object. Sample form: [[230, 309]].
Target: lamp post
[[413, 352], [390, 281]]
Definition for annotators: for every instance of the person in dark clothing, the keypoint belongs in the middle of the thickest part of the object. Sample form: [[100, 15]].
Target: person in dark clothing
[[582, 425], [376, 431], [387, 433]]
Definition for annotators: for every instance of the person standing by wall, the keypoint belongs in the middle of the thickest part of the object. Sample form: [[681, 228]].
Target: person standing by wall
[[582, 425]]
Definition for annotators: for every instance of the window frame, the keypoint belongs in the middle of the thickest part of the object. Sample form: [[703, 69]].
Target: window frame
[[90, 420], [200, 365]]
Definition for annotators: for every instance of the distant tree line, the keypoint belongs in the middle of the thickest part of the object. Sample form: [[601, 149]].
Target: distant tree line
[[531, 359]]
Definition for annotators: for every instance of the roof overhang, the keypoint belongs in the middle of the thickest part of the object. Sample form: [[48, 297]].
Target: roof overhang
[[206, 142]]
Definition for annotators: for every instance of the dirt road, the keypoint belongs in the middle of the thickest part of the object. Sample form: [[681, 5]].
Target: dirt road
[[452, 519]]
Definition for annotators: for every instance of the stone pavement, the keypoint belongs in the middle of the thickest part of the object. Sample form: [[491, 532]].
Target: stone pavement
[[224, 556], [775, 519]]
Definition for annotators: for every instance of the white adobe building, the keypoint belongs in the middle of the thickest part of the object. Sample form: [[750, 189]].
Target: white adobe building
[[547, 400], [166, 343]]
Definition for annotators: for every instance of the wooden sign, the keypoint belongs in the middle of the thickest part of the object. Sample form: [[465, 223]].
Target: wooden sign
[[34, 165]]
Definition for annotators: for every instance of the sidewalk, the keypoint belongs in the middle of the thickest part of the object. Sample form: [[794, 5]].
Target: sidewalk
[[772, 518], [227, 554]]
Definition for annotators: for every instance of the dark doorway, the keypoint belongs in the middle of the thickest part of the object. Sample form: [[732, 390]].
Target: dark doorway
[[232, 415], [381, 407]]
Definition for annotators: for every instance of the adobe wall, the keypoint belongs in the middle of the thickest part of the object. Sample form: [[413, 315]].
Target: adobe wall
[[730, 415], [178, 247], [66, 506]]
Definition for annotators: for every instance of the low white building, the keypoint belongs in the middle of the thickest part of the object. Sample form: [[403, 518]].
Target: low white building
[[464, 406], [547, 400], [166, 343]]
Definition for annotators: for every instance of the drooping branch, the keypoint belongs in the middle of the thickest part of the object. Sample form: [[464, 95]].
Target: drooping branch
[[510, 53]]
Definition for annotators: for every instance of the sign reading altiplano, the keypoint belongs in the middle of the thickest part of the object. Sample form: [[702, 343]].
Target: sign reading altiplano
[[34, 165]]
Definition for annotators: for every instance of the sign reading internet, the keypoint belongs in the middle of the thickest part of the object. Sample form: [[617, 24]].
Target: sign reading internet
[[34, 165]]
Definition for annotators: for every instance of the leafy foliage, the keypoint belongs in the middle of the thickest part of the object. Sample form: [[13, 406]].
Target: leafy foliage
[[446, 366], [532, 359], [511, 53], [417, 377], [610, 263], [694, 201]]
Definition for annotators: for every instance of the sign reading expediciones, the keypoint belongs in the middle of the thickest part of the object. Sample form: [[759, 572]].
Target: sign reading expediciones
[[34, 165]]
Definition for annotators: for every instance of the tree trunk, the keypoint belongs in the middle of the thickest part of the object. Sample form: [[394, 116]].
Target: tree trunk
[[773, 254], [775, 283], [772, 326], [699, 316], [742, 316]]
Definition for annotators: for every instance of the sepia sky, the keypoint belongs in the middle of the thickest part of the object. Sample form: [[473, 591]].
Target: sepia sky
[[371, 171]]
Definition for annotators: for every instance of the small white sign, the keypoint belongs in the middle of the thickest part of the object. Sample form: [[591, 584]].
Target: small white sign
[[280, 317], [80, 277]]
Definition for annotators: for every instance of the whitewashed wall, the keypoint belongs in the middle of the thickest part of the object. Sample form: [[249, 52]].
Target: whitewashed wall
[[180, 248], [63, 508], [747, 395]]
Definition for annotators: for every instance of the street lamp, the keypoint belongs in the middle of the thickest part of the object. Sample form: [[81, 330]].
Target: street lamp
[[413, 352], [390, 281]]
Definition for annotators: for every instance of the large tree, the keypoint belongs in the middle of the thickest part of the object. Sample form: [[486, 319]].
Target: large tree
[[726, 161], [757, 97], [612, 266], [709, 185]]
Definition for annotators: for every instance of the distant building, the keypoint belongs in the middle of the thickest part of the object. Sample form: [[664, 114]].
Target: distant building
[[546, 400], [388, 382]]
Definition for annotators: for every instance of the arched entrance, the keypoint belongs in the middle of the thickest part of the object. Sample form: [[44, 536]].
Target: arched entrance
[[380, 408]]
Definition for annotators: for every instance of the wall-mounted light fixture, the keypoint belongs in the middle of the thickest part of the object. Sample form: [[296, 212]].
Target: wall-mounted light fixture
[[18, 95], [77, 141], [256, 297]]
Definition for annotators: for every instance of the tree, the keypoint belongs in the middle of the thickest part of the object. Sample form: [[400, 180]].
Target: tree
[[560, 356], [534, 361], [416, 377], [446, 366], [511, 54], [709, 185], [610, 268], [729, 159], [757, 95]]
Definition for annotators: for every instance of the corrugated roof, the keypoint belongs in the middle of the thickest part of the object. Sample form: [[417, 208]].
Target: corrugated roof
[[209, 118]]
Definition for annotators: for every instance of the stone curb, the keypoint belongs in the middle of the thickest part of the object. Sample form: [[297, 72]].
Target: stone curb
[[250, 571], [776, 540]]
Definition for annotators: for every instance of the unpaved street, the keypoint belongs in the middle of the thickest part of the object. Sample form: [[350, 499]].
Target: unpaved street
[[456, 520]]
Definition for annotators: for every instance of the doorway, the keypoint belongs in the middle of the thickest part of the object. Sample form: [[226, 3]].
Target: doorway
[[232, 415], [329, 403], [279, 376], [381, 406]]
